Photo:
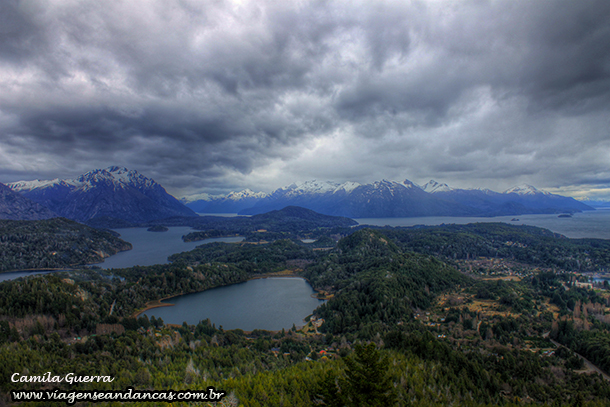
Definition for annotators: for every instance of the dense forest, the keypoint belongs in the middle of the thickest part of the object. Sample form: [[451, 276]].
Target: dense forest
[[402, 325], [527, 244], [289, 223], [54, 243]]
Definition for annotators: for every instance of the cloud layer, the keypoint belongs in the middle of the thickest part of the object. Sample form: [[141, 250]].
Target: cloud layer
[[220, 95]]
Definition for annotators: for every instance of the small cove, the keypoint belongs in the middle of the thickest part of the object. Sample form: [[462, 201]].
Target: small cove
[[151, 248]]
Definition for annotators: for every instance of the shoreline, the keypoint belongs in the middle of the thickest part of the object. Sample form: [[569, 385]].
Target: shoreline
[[71, 267], [38, 269], [155, 304], [209, 237]]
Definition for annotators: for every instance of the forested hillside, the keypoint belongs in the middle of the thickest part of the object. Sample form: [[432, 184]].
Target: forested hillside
[[291, 222], [527, 244], [402, 325], [54, 243]]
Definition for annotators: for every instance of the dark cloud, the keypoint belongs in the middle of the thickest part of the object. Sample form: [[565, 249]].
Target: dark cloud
[[20, 36], [229, 94]]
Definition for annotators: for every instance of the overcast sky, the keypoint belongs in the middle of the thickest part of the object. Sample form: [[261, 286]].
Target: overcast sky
[[213, 96]]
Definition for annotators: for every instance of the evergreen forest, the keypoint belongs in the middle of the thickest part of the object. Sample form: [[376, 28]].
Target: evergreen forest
[[468, 315]]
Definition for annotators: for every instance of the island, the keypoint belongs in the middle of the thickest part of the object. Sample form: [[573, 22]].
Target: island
[[157, 228]]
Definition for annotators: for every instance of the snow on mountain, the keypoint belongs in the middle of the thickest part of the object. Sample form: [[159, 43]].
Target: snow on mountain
[[485, 190], [316, 187], [525, 189], [114, 192], [118, 176], [23, 186], [391, 185], [432, 187], [408, 184], [245, 194], [17, 207], [347, 187], [387, 198], [233, 196], [308, 187], [198, 197]]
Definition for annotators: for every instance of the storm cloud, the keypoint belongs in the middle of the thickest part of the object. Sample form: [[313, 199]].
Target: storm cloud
[[212, 96]]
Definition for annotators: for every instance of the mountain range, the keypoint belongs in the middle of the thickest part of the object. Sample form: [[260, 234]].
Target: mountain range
[[113, 194], [13, 206], [390, 199], [116, 196]]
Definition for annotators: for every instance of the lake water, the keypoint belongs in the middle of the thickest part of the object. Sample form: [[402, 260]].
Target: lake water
[[151, 248], [266, 303], [11, 275], [155, 247], [592, 224]]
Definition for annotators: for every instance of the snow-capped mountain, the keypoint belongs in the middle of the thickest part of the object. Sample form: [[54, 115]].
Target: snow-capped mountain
[[525, 189], [245, 194], [233, 196], [233, 202], [519, 200], [432, 186], [318, 187], [392, 199], [114, 193], [16, 207], [378, 199]]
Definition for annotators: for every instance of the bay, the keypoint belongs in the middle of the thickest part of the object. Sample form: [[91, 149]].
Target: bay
[[151, 248], [267, 303]]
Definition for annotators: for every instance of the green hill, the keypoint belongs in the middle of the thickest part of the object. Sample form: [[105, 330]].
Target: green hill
[[54, 243]]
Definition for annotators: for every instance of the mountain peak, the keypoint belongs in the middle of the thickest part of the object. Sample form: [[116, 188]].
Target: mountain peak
[[524, 189], [117, 169], [315, 186], [386, 183], [408, 184], [246, 193], [348, 186], [16, 207], [19, 186], [432, 186], [114, 192], [120, 177]]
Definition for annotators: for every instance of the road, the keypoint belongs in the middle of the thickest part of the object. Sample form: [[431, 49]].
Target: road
[[590, 366]]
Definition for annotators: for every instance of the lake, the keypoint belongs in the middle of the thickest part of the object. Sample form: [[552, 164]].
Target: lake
[[155, 247], [267, 303], [11, 275], [151, 248], [592, 224]]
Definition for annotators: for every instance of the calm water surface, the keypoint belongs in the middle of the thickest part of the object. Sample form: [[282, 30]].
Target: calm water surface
[[155, 247], [11, 275], [593, 224], [151, 248], [266, 303]]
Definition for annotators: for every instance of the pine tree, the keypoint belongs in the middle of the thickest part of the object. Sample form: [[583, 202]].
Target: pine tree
[[367, 381]]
